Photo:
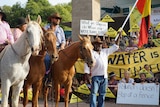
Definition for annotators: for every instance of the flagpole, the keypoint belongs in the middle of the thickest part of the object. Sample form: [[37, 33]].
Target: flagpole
[[126, 19]]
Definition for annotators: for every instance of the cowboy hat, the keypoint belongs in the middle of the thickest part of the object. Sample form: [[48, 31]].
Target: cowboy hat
[[55, 15], [97, 40], [21, 21], [3, 15]]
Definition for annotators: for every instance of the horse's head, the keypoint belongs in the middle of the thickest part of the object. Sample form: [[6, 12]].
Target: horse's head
[[34, 35], [50, 44], [85, 50]]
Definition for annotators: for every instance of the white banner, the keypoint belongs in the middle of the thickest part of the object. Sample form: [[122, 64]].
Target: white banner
[[144, 94], [89, 27], [155, 19]]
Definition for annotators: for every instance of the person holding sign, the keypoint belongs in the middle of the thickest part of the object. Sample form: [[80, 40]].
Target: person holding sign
[[127, 78], [148, 72], [142, 78], [113, 83], [99, 71]]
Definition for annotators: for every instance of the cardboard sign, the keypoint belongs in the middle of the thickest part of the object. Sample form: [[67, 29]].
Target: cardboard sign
[[144, 94], [89, 27]]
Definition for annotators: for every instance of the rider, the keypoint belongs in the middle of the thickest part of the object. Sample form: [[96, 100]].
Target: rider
[[54, 21], [20, 27], [6, 36]]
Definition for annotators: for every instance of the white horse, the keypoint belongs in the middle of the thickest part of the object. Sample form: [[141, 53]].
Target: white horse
[[14, 65]]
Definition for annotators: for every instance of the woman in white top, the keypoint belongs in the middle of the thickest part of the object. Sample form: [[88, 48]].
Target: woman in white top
[[127, 78]]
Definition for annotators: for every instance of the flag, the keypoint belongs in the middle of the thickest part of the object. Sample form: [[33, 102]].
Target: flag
[[144, 7]]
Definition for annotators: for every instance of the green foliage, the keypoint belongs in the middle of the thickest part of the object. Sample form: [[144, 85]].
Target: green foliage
[[35, 8]]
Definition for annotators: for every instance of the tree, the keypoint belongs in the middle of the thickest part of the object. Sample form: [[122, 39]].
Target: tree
[[32, 9], [35, 8]]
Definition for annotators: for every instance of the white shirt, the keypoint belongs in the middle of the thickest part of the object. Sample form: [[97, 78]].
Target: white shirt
[[131, 80], [101, 64]]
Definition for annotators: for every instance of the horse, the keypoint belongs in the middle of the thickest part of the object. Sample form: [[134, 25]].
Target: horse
[[14, 65], [37, 67], [63, 69]]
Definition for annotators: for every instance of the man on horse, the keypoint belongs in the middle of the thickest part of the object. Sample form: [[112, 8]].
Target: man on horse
[[54, 21]]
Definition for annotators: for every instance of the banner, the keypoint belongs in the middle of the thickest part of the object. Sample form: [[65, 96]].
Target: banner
[[135, 61], [89, 27], [75, 99], [145, 94]]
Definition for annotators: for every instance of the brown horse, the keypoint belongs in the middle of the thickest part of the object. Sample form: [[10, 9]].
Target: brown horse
[[63, 69], [37, 67]]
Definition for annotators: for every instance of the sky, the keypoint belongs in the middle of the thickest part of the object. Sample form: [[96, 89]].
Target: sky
[[11, 2]]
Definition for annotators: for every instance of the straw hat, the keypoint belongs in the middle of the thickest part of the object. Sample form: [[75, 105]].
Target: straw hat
[[55, 15], [97, 40]]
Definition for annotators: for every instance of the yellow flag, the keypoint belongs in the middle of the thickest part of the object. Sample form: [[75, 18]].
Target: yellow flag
[[110, 94], [75, 99], [29, 95], [83, 89], [111, 32], [107, 18], [134, 28], [79, 66], [123, 32], [158, 26]]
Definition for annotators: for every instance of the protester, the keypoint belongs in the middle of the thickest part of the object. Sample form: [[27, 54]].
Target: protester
[[20, 27], [142, 79], [150, 43], [133, 41], [54, 21], [113, 83], [148, 72], [98, 72], [127, 78], [6, 36]]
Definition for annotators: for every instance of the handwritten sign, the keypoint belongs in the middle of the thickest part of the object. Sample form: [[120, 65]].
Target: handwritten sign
[[89, 27], [144, 94]]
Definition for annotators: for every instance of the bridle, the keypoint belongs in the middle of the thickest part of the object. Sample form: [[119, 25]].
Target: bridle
[[46, 33]]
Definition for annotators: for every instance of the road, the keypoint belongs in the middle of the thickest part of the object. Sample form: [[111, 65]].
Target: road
[[83, 104]]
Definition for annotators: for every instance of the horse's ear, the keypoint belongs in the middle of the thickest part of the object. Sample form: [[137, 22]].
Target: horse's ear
[[39, 20], [80, 37], [44, 30], [88, 37], [28, 19]]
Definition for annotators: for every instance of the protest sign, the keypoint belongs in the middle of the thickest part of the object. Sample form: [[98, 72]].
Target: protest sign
[[143, 94], [89, 27]]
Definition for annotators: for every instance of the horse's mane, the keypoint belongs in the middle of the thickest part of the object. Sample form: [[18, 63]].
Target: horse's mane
[[73, 43]]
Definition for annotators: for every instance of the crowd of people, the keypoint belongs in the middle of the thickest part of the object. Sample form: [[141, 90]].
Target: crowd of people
[[102, 49]]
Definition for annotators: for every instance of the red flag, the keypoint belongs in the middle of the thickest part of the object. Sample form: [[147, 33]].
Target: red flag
[[144, 7]]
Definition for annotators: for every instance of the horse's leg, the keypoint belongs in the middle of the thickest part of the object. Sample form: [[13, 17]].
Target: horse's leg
[[36, 89], [25, 93], [57, 93], [5, 87], [45, 94], [16, 92], [67, 91], [10, 97]]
